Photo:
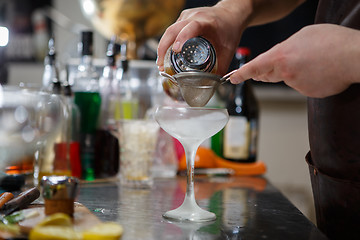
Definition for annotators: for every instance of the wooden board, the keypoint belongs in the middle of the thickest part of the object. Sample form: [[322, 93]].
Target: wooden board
[[83, 218]]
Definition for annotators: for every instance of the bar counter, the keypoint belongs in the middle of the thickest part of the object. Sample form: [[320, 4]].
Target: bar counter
[[245, 207]]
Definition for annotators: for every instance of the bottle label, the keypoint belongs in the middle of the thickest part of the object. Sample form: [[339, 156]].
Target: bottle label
[[253, 137], [237, 138]]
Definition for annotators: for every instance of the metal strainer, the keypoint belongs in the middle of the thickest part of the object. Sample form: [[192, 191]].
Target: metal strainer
[[197, 87]]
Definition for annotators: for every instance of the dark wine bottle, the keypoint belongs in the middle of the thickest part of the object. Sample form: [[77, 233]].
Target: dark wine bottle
[[106, 144], [240, 134]]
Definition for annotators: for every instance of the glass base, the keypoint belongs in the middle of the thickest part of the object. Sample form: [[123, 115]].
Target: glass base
[[189, 212], [136, 183]]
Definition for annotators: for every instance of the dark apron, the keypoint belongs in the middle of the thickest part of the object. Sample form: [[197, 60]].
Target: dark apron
[[334, 137]]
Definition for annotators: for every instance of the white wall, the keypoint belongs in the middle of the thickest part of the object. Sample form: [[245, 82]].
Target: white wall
[[65, 39], [283, 144]]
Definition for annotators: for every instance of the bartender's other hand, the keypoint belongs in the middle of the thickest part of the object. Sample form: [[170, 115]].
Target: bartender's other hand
[[219, 24], [318, 61]]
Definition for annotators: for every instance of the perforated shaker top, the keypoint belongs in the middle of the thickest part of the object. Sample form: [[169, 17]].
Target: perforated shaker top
[[197, 54]]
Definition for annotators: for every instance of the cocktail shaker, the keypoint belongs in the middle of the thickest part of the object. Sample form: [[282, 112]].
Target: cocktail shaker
[[197, 54]]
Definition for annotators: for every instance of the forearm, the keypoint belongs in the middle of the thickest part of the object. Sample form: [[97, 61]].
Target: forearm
[[347, 55], [257, 12]]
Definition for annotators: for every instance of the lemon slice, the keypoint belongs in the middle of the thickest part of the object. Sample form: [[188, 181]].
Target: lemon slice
[[11, 228], [106, 230], [57, 219], [54, 227], [54, 233]]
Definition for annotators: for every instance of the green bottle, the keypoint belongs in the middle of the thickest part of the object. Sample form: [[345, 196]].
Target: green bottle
[[216, 141], [88, 99]]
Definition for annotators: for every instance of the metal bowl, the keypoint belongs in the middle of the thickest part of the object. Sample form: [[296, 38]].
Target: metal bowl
[[133, 21]]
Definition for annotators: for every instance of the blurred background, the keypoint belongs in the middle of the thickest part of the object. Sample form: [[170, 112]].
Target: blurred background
[[26, 26]]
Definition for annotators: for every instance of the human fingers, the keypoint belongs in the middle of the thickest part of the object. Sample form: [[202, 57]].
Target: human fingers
[[260, 68], [166, 41], [191, 23], [169, 36], [177, 35]]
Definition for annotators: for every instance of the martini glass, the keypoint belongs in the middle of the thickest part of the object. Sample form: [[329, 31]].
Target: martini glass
[[191, 126]]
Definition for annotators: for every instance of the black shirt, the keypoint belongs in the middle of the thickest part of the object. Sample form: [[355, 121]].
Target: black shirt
[[334, 122]]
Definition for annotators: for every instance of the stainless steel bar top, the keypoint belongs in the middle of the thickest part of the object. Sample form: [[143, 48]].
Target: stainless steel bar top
[[245, 207]]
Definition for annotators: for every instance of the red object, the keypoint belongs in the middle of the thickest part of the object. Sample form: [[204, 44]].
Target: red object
[[178, 149], [75, 159], [60, 161], [244, 51]]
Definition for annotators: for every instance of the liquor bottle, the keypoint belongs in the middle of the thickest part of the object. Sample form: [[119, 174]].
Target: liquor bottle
[[106, 81], [87, 98], [240, 134], [124, 101], [73, 130], [53, 158], [51, 84], [50, 79], [107, 145]]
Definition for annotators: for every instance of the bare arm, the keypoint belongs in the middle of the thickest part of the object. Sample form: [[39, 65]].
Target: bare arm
[[266, 11]]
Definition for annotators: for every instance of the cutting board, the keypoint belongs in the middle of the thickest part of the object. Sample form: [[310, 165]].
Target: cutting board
[[83, 218]]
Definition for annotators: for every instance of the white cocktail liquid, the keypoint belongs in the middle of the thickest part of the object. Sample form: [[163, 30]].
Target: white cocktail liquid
[[194, 130], [191, 127]]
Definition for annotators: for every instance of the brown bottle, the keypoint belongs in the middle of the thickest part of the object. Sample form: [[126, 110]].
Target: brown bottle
[[241, 132]]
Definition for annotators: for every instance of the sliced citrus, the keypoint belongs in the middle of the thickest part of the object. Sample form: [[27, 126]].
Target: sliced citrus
[[57, 219], [54, 233], [106, 230]]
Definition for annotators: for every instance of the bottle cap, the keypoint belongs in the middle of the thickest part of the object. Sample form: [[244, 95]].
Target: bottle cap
[[87, 43], [124, 64], [111, 52], [52, 51], [242, 55], [67, 89], [243, 51], [59, 187]]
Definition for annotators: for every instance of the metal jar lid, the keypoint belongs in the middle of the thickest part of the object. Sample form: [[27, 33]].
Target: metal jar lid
[[59, 187], [197, 54]]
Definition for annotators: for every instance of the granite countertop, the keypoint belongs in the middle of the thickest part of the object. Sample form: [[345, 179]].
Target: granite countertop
[[245, 207]]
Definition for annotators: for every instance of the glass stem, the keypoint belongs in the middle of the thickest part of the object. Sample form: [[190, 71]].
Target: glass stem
[[190, 153]]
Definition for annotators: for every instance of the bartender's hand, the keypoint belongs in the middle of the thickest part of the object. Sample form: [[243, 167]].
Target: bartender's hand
[[318, 61], [221, 25]]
